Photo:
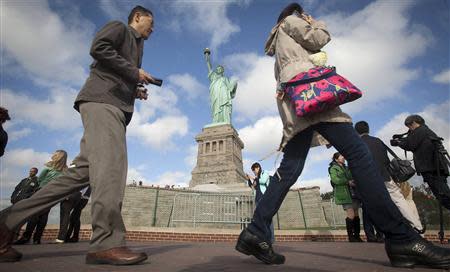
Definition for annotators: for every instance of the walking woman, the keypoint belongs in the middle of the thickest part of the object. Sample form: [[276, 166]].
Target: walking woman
[[292, 41], [53, 169], [343, 186]]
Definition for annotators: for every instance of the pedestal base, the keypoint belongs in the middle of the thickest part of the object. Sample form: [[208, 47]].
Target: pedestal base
[[219, 157]]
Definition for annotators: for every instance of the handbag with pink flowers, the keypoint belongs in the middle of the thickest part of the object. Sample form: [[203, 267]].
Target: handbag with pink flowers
[[319, 90]]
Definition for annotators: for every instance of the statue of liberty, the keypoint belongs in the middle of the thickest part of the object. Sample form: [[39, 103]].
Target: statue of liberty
[[221, 91]]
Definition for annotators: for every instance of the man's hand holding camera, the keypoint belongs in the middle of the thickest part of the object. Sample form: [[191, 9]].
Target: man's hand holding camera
[[399, 139], [141, 92], [144, 79]]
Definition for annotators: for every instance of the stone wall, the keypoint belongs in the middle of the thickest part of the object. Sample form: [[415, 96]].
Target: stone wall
[[152, 207]]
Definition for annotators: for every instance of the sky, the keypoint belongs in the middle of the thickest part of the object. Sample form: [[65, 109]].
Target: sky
[[395, 51]]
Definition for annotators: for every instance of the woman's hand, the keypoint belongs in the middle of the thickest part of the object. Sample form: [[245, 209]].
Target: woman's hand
[[308, 18]]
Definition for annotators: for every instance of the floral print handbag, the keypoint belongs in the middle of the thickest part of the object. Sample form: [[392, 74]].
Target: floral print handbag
[[318, 90]]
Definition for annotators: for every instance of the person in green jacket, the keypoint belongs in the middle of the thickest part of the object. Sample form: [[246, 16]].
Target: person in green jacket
[[53, 169], [345, 195]]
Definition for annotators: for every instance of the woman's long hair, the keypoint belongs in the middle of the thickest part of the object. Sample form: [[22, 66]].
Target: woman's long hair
[[58, 160], [289, 10]]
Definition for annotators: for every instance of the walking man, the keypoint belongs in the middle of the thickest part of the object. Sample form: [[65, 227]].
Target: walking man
[[106, 104]]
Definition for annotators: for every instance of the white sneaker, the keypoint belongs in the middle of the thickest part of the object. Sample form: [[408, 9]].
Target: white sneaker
[[59, 241]]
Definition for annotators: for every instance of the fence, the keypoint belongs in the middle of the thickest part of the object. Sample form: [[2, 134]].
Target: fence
[[206, 210], [334, 214]]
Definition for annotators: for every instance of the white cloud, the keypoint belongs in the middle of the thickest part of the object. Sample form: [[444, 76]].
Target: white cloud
[[373, 47], [191, 158], [60, 43], [255, 95], [320, 154], [177, 178], [55, 112], [17, 134], [443, 77], [134, 174], [158, 134], [25, 158], [263, 137], [160, 100], [172, 178], [112, 9], [322, 182], [187, 84], [210, 18]]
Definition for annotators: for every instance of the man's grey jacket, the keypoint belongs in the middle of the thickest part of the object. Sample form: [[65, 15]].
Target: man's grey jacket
[[117, 51]]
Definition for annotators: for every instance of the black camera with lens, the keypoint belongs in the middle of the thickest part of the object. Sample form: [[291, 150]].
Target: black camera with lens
[[398, 139]]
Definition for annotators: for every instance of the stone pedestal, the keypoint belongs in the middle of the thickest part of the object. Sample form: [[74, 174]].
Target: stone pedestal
[[219, 157]]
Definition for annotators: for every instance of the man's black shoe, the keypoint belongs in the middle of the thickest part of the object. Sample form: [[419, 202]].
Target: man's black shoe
[[250, 244], [21, 241], [419, 252]]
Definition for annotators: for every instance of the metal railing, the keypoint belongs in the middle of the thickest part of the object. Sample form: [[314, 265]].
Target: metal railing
[[196, 209]]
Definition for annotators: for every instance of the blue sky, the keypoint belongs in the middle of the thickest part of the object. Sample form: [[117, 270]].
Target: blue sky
[[396, 51]]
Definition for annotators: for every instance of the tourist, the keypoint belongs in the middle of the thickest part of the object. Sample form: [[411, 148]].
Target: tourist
[[260, 183], [294, 38], [106, 104], [344, 191]]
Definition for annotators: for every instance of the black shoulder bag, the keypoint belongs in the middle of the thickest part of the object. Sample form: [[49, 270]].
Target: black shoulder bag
[[400, 170]]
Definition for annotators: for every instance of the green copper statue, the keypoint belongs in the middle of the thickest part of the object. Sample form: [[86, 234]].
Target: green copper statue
[[221, 91]]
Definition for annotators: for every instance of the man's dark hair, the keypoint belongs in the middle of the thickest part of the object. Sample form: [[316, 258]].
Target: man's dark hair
[[289, 10], [414, 118], [35, 168], [256, 165], [362, 127], [4, 116], [138, 9]]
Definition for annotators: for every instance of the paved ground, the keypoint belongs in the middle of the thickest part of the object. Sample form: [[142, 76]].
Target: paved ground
[[165, 256]]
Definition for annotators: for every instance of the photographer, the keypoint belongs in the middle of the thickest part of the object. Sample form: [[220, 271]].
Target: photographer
[[401, 193], [423, 142]]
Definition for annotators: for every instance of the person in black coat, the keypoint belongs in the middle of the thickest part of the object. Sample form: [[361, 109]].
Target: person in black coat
[[75, 223], [4, 116], [26, 187], [422, 141], [401, 197]]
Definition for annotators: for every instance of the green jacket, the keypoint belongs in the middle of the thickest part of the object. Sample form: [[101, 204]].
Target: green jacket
[[340, 176], [47, 175]]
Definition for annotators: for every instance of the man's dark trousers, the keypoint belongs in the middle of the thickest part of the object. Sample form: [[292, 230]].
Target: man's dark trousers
[[439, 187]]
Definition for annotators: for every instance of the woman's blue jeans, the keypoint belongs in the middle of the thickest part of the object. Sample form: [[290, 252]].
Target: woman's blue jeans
[[383, 212]]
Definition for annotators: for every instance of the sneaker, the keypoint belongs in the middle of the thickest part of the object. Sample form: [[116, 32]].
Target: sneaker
[[250, 244], [418, 252], [58, 241]]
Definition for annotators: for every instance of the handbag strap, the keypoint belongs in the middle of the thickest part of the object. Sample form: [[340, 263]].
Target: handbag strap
[[390, 151], [309, 80]]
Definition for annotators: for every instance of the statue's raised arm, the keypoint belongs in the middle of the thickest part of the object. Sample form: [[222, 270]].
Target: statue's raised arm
[[207, 53]]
